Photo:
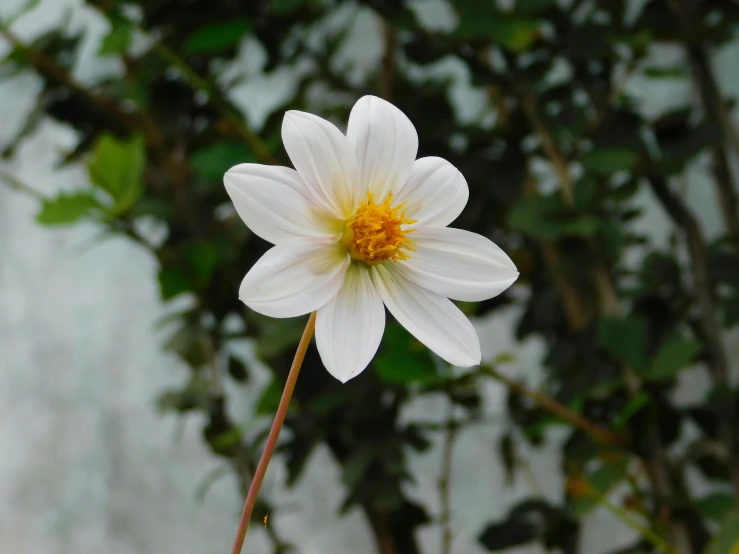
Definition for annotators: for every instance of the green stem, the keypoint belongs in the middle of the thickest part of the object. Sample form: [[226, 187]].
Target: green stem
[[625, 516]]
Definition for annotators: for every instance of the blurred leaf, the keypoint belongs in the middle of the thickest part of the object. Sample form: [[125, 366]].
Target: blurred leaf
[[625, 339], [203, 258], [538, 217], [277, 335], [606, 477], [545, 217], [117, 167], [507, 452], [195, 395], [634, 405], [607, 161], [726, 541], [716, 506], [213, 162], [675, 72], [674, 354], [215, 38], [237, 370], [67, 208], [528, 521], [586, 193], [269, 399], [402, 359], [118, 39], [513, 33], [172, 281], [191, 343]]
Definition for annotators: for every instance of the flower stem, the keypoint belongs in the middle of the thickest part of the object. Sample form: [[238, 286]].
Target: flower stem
[[274, 433]]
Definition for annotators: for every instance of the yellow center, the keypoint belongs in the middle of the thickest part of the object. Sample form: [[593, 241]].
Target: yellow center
[[375, 234]]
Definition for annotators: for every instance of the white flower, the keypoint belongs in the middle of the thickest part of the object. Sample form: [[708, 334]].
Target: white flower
[[359, 223]]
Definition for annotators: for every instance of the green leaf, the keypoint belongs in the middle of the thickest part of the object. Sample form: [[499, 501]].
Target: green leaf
[[218, 37], [606, 161], [716, 506], [202, 259], [117, 167], [545, 217], [674, 354], [191, 343], [675, 72], [212, 162], [277, 335], [270, 399], [631, 408], [726, 541], [67, 208], [118, 39], [173, 281], [625, 339], [402, 359], [513, 33], [539, 217]]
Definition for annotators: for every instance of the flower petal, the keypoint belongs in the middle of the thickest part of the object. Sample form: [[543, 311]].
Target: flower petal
[[349, 328], [275, 203], [295, 278], [324, 159], [435, 193], [432, 319], [385, 142], [458, 264]]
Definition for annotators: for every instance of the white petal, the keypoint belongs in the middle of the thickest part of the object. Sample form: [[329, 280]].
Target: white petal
[[275, 203], [385, 142], [349, 328], [458, 264], [324, 159], [432, 319], [295, 278], [435, 193]]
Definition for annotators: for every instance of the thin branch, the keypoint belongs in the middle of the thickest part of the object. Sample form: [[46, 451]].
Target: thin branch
[[719, 366], [450, 435], [595, 431], [386, 78], [658, 467], [229, 113], [717, 111]]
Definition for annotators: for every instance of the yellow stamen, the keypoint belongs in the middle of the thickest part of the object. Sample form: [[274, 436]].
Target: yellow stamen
[[374, 233]]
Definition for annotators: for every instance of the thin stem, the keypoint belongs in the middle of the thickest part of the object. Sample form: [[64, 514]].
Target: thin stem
[[450, 436], [387, 75], [16, 184], [274, 433], [600, 434], [625, 516], [198, 83]]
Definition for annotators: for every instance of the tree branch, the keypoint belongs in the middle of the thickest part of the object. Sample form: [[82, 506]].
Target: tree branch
[[719, 366]]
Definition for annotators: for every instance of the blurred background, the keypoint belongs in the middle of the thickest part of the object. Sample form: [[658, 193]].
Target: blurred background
[[600, 144]]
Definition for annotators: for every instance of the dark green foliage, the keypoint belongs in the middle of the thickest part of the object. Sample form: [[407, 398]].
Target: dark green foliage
[[618, 334]]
